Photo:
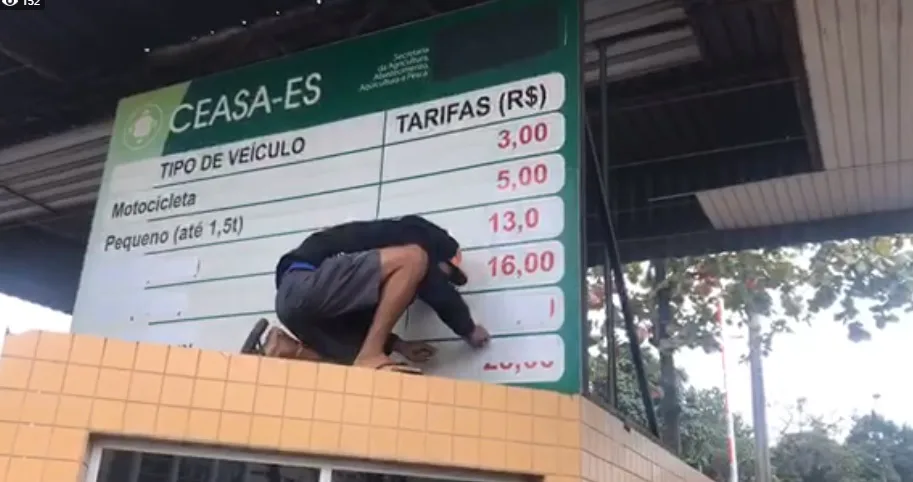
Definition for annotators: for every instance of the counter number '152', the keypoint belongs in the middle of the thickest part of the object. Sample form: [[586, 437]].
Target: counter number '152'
[[22, 4]]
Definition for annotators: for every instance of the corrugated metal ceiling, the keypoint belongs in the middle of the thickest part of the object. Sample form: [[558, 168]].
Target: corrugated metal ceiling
[[859, 61], [675, 44], [44, 177], [812, 196]]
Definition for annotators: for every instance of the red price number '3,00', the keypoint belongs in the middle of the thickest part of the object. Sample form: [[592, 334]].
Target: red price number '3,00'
[[530, 263], [510, 180], [509, 221], [526, 134]]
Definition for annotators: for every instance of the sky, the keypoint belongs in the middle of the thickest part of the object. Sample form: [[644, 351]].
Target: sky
[[18, 315], [837, 377]]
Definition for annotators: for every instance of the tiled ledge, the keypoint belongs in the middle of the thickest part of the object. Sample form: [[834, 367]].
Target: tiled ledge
[[57, 389]]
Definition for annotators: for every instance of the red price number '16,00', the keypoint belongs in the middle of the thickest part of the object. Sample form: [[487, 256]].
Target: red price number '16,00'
[[510, 180], [510, 221], [525, 135], [529, 263]]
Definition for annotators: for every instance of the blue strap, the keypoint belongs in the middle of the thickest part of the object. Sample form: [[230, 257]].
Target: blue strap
[[299, 266]]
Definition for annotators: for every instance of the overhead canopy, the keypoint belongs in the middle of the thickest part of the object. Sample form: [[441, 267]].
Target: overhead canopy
[[860, 75], [725, 130]]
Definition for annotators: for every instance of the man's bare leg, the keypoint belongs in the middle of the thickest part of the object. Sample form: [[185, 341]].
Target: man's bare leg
[[402, 270]]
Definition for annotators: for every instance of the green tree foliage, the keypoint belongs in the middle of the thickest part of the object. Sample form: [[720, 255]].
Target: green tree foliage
[[858, 276], [864, 283], [876, 450], [884, 448], [813, 456], [702, 421], [704, 437], [809, 449], [859, 279]]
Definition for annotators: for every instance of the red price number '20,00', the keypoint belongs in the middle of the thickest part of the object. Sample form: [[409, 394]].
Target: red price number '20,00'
[[525, 135], [510, 180], [530, 263], [510, 221]]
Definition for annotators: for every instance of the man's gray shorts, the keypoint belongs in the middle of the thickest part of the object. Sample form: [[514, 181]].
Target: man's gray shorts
[[340, 285]]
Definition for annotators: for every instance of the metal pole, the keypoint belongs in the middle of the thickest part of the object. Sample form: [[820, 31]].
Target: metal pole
[[175, 469], [584, 376], [609, 332], [136, 465], [213, 471], [669, 404], [730, 418], [758, 399], [614, 254]]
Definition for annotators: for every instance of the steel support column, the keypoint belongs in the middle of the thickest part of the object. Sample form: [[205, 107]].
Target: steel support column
[[599, 162], [608, 332], [582, 200]]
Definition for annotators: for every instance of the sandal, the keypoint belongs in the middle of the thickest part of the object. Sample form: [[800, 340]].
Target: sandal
[[399, 368], [280, 344], [252, 345]]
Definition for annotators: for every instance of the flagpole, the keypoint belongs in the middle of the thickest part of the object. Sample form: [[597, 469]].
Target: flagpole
[[730, 418]]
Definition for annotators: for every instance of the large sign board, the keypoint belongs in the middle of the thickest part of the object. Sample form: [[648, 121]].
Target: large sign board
[[470, 119]]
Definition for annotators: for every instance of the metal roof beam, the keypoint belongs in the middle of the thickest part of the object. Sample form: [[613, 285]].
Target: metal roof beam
[[55, 144], [426, 6], [30, 63], [795, 62], [667, 99], [268, 27], [64, 236]]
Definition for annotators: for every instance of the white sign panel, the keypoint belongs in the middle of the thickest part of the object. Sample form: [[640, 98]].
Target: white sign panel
[[209, 182]]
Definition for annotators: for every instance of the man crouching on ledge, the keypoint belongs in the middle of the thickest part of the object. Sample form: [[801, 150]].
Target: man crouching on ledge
[[342, 291]]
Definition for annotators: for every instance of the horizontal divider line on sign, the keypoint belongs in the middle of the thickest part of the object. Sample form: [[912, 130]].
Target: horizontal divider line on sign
[[302, 231], [343, 189], [466, 168], [471, 128], [273, 312], [263, 168], [232, 241], [341, 153], [261, 203], [214, 317], [273, 273], [503, 335]]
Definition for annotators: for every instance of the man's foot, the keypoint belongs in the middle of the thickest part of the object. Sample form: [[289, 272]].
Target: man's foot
[[384, 363], [415, 351], [280, 344]]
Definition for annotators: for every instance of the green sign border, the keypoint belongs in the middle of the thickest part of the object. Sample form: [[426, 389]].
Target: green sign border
[[344, 67]]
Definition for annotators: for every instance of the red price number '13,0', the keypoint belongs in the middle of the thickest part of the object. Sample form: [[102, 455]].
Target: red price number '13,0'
[[510, 180], [510, 221], [526, 134], [529, 263]]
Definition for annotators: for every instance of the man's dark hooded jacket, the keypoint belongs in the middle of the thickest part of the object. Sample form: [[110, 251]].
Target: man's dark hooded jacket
[[436, 289]]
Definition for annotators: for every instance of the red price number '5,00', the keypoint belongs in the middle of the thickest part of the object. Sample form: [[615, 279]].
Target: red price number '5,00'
[[531, 263], [509, 180], [526, 134]]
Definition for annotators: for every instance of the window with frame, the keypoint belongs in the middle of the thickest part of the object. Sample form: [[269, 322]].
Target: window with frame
[[120, 461]]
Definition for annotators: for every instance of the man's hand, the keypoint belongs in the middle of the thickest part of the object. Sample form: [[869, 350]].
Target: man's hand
[[479, 337], [415, 351]]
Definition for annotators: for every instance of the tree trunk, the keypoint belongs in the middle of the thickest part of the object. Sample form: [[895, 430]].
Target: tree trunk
[[669, 407]]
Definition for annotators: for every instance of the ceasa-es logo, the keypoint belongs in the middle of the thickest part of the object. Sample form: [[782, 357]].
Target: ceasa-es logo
[[142, 127]]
